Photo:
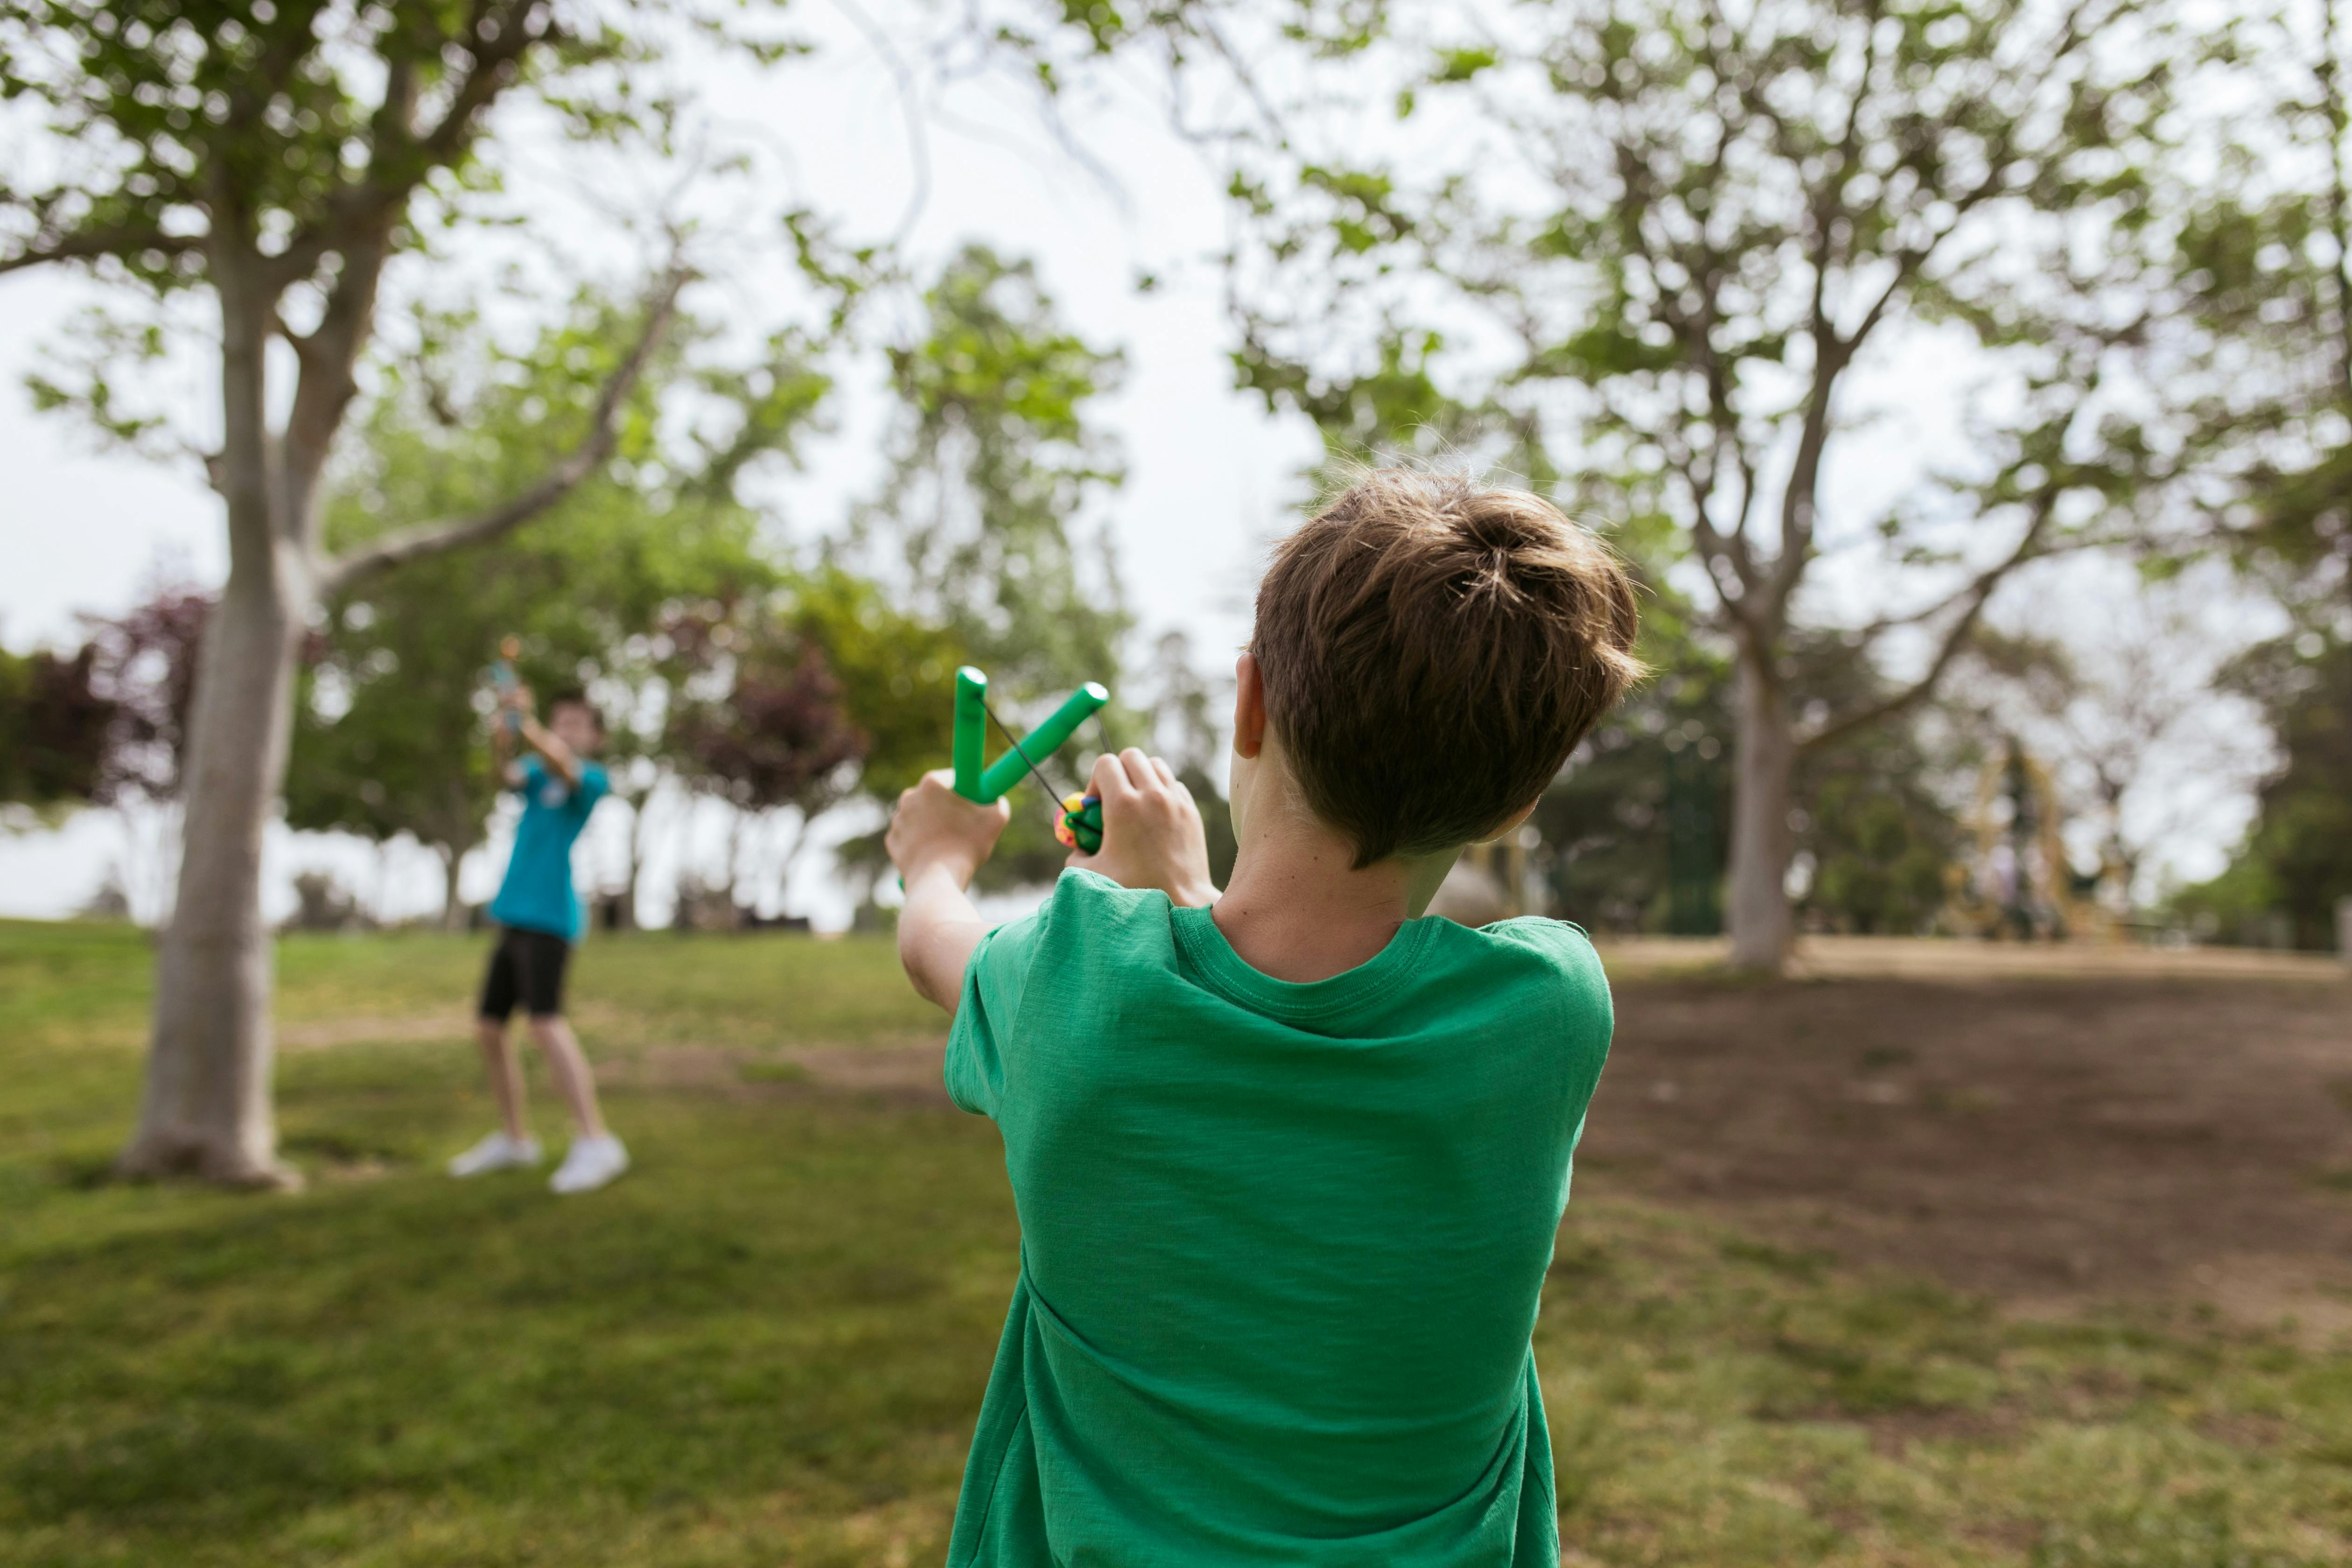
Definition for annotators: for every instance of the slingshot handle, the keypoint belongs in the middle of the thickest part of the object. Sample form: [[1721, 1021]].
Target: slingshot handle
[[971, 734], [1039, 743]]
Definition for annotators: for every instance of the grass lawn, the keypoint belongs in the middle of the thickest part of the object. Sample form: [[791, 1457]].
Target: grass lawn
[[767, 1343]]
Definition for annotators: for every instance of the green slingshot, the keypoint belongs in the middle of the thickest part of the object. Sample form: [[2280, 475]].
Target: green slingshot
[[974, 782]]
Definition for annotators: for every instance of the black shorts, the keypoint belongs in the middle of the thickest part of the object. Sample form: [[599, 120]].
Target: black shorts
[[526, 966]]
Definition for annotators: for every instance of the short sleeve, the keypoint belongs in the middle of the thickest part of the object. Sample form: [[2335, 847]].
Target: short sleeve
[[594, 786], [986, 1012], [534, 774]]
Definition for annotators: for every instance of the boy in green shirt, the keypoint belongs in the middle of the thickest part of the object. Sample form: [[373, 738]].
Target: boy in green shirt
[[1289, 1159]]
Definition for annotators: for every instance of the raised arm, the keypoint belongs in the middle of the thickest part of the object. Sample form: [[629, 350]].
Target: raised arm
[[503, 748], [561, 759], [938, 840]]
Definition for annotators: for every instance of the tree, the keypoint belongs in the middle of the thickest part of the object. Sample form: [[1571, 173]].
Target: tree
[[896, 673], [1635, 832], [2272, 247], [53, 727], [2296, 860], [2123, 689], [1877, 835], [144, 667], [1682, 234], [759, 723]]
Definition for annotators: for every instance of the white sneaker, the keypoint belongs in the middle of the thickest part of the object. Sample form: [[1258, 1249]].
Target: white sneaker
[[497, 1152], [589, 1165]]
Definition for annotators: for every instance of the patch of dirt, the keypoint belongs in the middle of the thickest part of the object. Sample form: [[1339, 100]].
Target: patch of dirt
[[2044, 1141], [2245, 1429], [899, 1071], [328, 1033], [2305, 1298], [1954, 959], [1893, 1432], [908, 1073]]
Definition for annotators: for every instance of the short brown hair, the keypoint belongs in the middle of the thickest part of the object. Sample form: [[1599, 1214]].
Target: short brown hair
[[1432, 651], [573, 697]]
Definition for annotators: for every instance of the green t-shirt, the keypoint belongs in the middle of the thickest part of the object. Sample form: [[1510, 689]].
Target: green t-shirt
[[1281, 1244]]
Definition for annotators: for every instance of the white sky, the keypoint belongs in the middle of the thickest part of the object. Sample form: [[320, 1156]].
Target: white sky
[[1211, 473]]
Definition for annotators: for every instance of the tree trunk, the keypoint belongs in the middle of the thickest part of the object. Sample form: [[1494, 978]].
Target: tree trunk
[[1767, 755], [734, 868], [206, 1110], [638, 815], [453, 907]]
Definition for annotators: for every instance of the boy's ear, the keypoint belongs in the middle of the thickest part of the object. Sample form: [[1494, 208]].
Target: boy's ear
[[1249, 708]]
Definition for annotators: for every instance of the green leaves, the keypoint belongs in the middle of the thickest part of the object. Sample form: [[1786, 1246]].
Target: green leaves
[[1368, 217], [1103, 25], [1459, 65], [897, 673], [1604, 350], [996, 461], [53, 729]]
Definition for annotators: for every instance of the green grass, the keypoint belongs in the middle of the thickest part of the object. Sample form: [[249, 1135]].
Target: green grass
[[767, 1345]]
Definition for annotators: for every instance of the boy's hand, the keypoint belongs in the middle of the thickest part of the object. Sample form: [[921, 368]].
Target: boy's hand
[[1152, 835], [934, 828]]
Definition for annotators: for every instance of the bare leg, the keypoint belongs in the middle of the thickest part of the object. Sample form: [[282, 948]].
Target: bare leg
[[506, 1075], [569, 1068]]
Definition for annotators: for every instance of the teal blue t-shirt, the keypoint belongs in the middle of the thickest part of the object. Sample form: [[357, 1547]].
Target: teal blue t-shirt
[[1281, 1244], [536, 894]]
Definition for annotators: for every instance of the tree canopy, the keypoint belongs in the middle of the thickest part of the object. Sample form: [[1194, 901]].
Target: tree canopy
[[53, 727], [1671, 245]]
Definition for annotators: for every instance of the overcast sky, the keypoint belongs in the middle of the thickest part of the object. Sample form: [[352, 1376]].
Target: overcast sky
[[1211, 472]]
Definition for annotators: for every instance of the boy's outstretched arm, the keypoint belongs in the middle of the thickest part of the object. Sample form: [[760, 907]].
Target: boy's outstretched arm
[[502, 758], [937, 840], [561, 760]]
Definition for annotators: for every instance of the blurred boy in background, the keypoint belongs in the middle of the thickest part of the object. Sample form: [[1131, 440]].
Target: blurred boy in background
[[540, 919]]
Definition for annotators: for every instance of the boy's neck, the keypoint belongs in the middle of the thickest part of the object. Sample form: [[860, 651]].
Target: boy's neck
[[1296, 909]]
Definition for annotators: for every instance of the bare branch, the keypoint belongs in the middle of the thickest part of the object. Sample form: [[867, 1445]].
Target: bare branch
[[432, 538], [329, 357], [1971, 601], [911, 108], [2072, 545], [399, 158], [1719, 553], [95, 243]]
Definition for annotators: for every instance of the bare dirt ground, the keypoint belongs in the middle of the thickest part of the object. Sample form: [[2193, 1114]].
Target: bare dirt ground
[[2140, 1132], [1948, 958]]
